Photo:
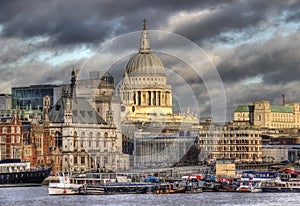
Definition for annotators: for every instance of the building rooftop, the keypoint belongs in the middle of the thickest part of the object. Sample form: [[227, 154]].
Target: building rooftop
[[282, 109], [273, 108], [82, 111], [244, 108]]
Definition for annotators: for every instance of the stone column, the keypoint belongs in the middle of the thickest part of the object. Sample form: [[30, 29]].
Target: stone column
[[136, 97], [167, 99], [147, 97]]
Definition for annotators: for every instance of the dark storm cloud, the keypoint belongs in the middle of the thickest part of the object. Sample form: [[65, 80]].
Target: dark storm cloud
[[276, 60], [234, 17], [75, 21]]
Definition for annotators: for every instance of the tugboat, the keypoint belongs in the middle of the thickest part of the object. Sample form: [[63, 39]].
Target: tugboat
[[15, 173]]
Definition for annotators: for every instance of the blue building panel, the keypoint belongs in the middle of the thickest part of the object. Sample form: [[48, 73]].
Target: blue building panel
[[32, 96]]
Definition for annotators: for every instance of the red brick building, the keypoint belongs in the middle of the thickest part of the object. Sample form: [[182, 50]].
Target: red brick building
[[11, 139]]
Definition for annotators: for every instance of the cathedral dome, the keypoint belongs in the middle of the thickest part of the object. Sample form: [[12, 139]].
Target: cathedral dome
[[145, 64]]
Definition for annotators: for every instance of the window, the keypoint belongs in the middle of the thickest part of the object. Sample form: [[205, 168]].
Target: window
[[3, 139], [12, 139], [39, 142], [12, 129], [82, 160], [2, 152], [18, 139], [4, 130], [75, 160]]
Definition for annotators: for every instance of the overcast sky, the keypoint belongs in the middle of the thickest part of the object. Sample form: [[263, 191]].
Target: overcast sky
[[254, 45]]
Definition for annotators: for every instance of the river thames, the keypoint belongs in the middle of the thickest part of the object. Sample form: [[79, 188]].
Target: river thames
[[39, 196]]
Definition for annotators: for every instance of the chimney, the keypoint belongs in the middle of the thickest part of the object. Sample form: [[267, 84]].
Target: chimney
[[283, 100]]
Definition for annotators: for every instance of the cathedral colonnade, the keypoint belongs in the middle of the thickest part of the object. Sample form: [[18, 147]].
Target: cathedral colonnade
[[151, 98]]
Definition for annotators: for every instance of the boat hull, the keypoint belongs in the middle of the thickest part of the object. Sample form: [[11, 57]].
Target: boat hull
[[279, 189], [129, 188], [26, 178], [63, 191]]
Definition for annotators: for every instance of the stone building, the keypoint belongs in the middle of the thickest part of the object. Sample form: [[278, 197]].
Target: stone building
[[144, 92], [79, 138], [225, 167], [147, 115], [242, 145], [262, 114]]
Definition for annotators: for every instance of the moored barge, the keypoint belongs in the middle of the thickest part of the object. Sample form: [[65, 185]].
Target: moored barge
[[14, 173]]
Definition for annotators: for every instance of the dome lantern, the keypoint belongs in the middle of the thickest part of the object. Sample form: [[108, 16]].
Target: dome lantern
[[144, 41]]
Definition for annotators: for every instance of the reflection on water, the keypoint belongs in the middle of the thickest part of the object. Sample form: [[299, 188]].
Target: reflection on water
[[39, 196]]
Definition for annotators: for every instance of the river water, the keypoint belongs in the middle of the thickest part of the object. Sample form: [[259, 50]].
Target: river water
[[39, 196]]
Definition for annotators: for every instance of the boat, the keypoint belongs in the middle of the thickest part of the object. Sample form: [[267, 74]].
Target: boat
[[71, 184], [118, 188], [15, 173], [253, 181], [119, 184], [249, 186], [250, 175], [291, 186], [67, 185], [226, 184]]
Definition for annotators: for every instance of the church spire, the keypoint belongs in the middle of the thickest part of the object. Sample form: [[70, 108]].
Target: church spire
[[73, 83], [144, 41]]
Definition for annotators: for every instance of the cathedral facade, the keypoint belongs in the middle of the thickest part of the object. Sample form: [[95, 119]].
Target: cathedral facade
[[147, 117]]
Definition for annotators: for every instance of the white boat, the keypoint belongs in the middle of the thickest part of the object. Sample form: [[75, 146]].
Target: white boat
[[282, 186], [249, 186], [72, 184], [67, 185]]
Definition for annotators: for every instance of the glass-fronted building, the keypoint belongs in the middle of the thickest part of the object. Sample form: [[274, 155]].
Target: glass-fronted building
[[32, 96]]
